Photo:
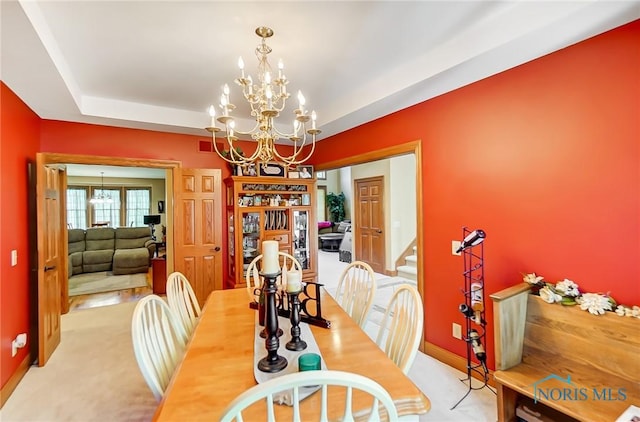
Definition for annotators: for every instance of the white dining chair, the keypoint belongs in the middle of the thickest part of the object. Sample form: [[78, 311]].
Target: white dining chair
[[182, 300], [158, 342], [356, 291], [323, 379], [401, 327], [254, 281]]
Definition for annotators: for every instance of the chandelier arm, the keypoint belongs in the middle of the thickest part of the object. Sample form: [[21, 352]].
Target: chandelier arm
[[250, 132], [293, 158]]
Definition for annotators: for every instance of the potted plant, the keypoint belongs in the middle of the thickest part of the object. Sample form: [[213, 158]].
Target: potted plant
[[335, 204]]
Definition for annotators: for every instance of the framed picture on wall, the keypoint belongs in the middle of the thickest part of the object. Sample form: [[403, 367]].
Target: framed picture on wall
[[272, 169], [305, 172], [321, 175]]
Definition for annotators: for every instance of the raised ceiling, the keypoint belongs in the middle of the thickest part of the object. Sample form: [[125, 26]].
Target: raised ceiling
[[159, 65]]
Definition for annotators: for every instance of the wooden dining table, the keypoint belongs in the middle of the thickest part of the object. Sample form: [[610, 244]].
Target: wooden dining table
[[219, 364]]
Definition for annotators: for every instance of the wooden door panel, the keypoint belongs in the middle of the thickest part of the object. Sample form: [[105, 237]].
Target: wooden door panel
[[208, 212], [369, 227], [199, 229], [50, 264]]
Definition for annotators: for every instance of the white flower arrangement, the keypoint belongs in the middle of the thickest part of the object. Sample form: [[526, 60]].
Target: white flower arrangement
[[634, 311], [567, 292]]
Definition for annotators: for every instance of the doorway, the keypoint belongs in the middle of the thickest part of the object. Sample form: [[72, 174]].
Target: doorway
[[413, 147], [43, 314]]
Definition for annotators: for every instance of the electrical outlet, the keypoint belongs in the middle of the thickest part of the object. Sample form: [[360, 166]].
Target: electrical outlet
[[457, 331], [14, 258], [455, 244], [19, 342]]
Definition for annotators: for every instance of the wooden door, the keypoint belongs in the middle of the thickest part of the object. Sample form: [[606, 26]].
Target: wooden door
[[198, 229], [51, 265], [369, 222]]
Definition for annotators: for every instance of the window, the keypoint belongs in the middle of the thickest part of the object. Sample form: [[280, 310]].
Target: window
[[138, 205], [77, 207], [107, 212], [127, 207]]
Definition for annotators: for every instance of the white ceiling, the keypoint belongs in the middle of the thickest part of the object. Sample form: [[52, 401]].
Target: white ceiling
[[159, 64]]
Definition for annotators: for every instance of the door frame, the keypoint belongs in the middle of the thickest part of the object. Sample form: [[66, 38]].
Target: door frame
[[413, 147], [59, 158]]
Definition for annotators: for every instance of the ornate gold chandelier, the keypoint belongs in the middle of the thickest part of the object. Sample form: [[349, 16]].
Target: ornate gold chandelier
[[267, 98]]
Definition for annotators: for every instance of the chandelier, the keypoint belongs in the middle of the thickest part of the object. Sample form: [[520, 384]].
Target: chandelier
[[267, 97], [101, 198]]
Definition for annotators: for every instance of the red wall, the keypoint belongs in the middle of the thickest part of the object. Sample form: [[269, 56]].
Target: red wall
[[544, 158], [87, 139], [19, 134]]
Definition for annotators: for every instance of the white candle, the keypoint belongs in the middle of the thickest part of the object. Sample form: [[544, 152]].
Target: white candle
[[270, 264], [293, 282], [212, 113]]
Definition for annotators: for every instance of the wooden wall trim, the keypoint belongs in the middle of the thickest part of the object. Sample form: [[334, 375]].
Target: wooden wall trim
[[13, 381], [379, 154], [453, 360], [51, 158]]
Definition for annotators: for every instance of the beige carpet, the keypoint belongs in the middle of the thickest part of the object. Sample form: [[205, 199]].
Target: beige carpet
[[104, 281], [91, 376]]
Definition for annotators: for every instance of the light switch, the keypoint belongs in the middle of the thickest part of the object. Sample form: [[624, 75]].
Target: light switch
[[14, 258]]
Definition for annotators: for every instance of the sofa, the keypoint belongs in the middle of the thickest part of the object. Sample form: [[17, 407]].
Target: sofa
[[122, 250], [330, 240]]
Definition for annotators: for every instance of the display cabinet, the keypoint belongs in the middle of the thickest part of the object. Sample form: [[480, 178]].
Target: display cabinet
[[270, 208]]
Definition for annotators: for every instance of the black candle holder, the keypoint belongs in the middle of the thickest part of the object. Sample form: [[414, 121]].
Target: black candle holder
[[296, 343], [272, 362]]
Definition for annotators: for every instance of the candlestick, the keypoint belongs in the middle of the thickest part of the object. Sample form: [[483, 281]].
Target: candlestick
[[272, 362], [296, 342], [270, 264]]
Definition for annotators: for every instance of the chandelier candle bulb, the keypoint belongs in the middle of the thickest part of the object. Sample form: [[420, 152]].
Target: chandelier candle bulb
[[313, 119], [241, 66], [270, 257], [301, 102], [212, 113]]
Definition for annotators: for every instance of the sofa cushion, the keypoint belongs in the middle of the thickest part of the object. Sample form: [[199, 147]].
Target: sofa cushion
[[100, 238], [75, 263], [93, 261], [130, 261], [76, 241], [132, 237]]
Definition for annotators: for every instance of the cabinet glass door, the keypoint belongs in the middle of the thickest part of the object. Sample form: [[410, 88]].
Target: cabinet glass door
[[301, 247], [250, 238]]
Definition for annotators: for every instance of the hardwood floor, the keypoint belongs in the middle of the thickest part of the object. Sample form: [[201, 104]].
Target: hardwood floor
[[111, 298]]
